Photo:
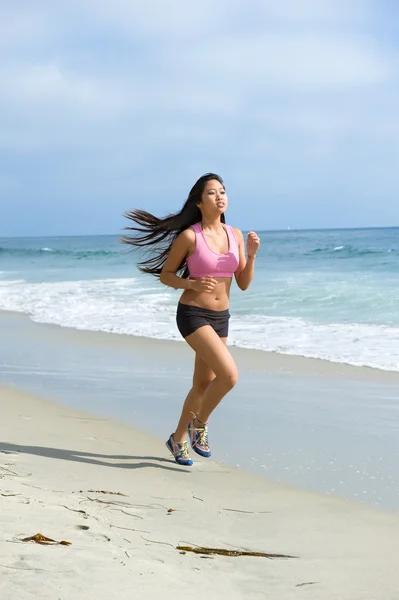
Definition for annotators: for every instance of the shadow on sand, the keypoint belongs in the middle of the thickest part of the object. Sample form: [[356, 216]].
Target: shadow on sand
[[134, 462]]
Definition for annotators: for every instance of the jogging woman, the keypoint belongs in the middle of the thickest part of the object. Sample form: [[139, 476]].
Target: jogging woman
[[195, 251]]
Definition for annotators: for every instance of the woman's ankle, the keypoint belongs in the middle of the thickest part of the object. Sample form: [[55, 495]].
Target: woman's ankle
[[176, 438]]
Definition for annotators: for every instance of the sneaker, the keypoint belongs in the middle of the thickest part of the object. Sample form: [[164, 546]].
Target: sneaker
[[179, 451], [199, 439]]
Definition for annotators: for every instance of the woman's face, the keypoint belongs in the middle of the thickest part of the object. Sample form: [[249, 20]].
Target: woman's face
[[214, 199]]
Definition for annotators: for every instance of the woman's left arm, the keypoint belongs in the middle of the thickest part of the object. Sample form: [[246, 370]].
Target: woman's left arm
[[246, 267]]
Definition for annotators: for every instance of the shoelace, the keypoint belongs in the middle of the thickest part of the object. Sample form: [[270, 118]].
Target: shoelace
[[202, 432], [183, 450], [202, 435]]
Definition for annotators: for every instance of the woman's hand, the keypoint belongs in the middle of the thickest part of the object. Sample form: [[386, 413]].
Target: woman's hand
[[253, 243], [204, 284]]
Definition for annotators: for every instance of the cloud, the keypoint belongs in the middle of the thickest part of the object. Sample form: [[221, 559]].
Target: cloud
[[52, 87], [210, 17], [317, 12], [293, 62]]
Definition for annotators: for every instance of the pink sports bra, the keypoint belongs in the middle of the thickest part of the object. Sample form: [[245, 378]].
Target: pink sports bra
[[204, 262]]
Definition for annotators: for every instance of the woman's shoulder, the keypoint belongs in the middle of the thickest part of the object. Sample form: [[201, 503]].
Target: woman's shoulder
[[238, 232], [187, 235], [189, 232]]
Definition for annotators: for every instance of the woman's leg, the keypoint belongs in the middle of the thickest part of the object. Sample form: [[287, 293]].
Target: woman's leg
[[203, 376], [210, 348]]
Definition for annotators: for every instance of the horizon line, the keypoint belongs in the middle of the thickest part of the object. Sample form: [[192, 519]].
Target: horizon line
[[288, 230]]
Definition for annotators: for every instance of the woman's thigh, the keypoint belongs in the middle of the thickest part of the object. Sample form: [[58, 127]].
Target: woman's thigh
[[212, 351], [203, 374]]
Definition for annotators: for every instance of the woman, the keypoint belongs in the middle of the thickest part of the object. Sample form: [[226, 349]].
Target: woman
[[195, 251]]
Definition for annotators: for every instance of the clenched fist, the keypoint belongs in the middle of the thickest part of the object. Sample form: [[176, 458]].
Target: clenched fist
[[204, 284], [253, 243]]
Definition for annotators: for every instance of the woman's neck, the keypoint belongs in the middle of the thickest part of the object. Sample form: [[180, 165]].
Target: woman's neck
[[211, 224]]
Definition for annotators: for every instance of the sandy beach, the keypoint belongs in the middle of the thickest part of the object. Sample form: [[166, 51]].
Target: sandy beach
[[125, 507], [312, 424]]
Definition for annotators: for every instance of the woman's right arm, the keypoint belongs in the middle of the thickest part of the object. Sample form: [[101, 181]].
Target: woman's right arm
[[178, 252]]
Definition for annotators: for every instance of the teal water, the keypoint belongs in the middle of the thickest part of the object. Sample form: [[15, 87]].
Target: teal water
[[331, 294]]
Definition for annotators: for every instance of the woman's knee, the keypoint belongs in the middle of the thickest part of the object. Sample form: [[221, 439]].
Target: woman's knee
[[229, 378]]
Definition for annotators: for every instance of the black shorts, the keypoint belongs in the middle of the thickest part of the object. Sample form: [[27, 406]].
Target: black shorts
[[190, 318]]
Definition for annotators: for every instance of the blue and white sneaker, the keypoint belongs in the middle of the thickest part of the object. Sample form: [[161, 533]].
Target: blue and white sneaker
[[199, 439], [179, 451]]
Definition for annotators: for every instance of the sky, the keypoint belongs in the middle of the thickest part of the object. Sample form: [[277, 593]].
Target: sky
[[107, 106]]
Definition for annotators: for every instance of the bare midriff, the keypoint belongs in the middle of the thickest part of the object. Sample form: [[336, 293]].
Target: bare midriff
[[218, 299]]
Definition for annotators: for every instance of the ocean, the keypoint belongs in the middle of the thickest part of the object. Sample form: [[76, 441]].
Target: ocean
[[328, 294]]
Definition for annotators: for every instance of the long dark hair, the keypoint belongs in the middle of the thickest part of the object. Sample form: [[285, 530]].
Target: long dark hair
[[157, 235]]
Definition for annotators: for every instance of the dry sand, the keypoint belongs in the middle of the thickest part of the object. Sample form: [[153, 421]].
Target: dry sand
[[56, 464]]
